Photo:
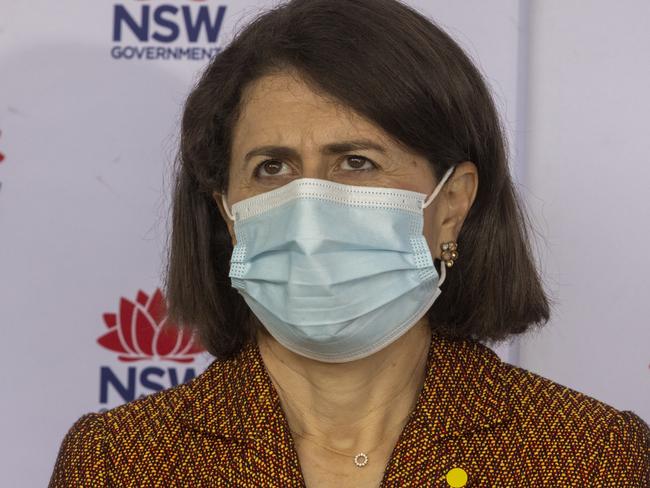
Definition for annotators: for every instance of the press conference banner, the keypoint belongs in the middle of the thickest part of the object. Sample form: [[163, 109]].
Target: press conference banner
[[90, 100]]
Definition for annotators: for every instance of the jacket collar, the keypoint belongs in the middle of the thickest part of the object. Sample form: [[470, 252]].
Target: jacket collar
[[464, 390], [234, 398]]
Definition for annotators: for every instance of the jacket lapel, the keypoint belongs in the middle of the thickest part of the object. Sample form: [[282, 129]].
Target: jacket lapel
[[236, 402], [464, 390]]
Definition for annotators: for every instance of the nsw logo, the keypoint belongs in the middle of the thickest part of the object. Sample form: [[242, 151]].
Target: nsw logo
[[140, 333], [144, 29]]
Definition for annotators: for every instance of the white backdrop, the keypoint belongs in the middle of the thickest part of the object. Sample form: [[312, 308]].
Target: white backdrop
[[87, 137], [588, 177]]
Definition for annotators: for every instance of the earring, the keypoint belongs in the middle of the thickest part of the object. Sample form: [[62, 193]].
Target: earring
[[449, 253]]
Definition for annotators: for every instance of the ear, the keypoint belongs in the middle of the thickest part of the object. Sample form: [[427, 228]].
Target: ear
[[217, 196], [458, 196]]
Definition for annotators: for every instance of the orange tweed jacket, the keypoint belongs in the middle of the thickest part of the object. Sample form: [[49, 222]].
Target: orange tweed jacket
[[504, 426]]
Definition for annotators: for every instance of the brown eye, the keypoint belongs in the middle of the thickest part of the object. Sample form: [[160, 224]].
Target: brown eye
[[270, 167], [358, 163]]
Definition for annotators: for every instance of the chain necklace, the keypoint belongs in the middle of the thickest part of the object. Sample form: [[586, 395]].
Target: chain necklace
[[360, 459]]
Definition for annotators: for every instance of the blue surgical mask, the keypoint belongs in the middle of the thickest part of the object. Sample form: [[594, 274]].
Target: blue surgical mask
[[334, 272]]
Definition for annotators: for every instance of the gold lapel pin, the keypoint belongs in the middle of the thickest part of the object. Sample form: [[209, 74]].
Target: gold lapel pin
[[456, 477]]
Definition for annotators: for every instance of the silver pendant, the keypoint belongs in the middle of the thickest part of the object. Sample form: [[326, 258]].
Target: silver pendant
[[360, 460]]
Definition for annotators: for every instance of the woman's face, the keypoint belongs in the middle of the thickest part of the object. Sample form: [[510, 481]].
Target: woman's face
[[287, 131]]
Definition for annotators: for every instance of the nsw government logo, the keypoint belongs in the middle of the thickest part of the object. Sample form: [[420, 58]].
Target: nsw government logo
[[168, 30], [152, 353]]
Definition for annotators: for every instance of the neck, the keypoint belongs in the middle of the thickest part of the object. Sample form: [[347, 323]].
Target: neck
[[355, 405]]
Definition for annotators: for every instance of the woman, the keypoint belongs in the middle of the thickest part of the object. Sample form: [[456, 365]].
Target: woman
[[345, 232]]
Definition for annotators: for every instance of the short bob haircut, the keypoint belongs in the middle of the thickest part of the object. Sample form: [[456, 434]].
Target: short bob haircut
[[395, 67]]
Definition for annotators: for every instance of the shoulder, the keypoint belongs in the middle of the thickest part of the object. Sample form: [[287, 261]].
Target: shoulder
[[97, 442], [81, 458], [614, 444]]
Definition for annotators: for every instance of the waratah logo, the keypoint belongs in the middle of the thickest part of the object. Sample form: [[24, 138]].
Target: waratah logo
[[141, 331]]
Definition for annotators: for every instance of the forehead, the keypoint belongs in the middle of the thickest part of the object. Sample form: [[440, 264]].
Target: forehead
[[283, 108]]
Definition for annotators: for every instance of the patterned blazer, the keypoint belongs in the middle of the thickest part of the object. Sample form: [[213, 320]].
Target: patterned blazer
[[501, 425]]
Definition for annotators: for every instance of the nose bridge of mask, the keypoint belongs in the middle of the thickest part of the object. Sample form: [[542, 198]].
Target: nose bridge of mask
[[425, 204]]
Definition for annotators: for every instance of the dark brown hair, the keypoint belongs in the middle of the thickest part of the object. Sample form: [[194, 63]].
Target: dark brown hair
[[398, 69]]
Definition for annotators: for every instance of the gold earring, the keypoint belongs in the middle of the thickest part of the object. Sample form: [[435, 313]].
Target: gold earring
[[449, 253]]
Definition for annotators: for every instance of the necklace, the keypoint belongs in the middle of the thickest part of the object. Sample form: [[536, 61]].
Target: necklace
[[360, 459]]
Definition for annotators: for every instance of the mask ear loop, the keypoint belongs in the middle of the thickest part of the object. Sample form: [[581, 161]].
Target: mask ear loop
[[438, 188], [225, 207], [443, 274], [425, 204]]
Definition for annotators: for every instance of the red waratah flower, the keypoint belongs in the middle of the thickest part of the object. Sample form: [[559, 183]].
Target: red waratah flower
[[141, 331]]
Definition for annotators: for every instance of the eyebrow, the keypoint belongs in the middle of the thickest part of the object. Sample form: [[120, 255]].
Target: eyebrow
[[286, 152]]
